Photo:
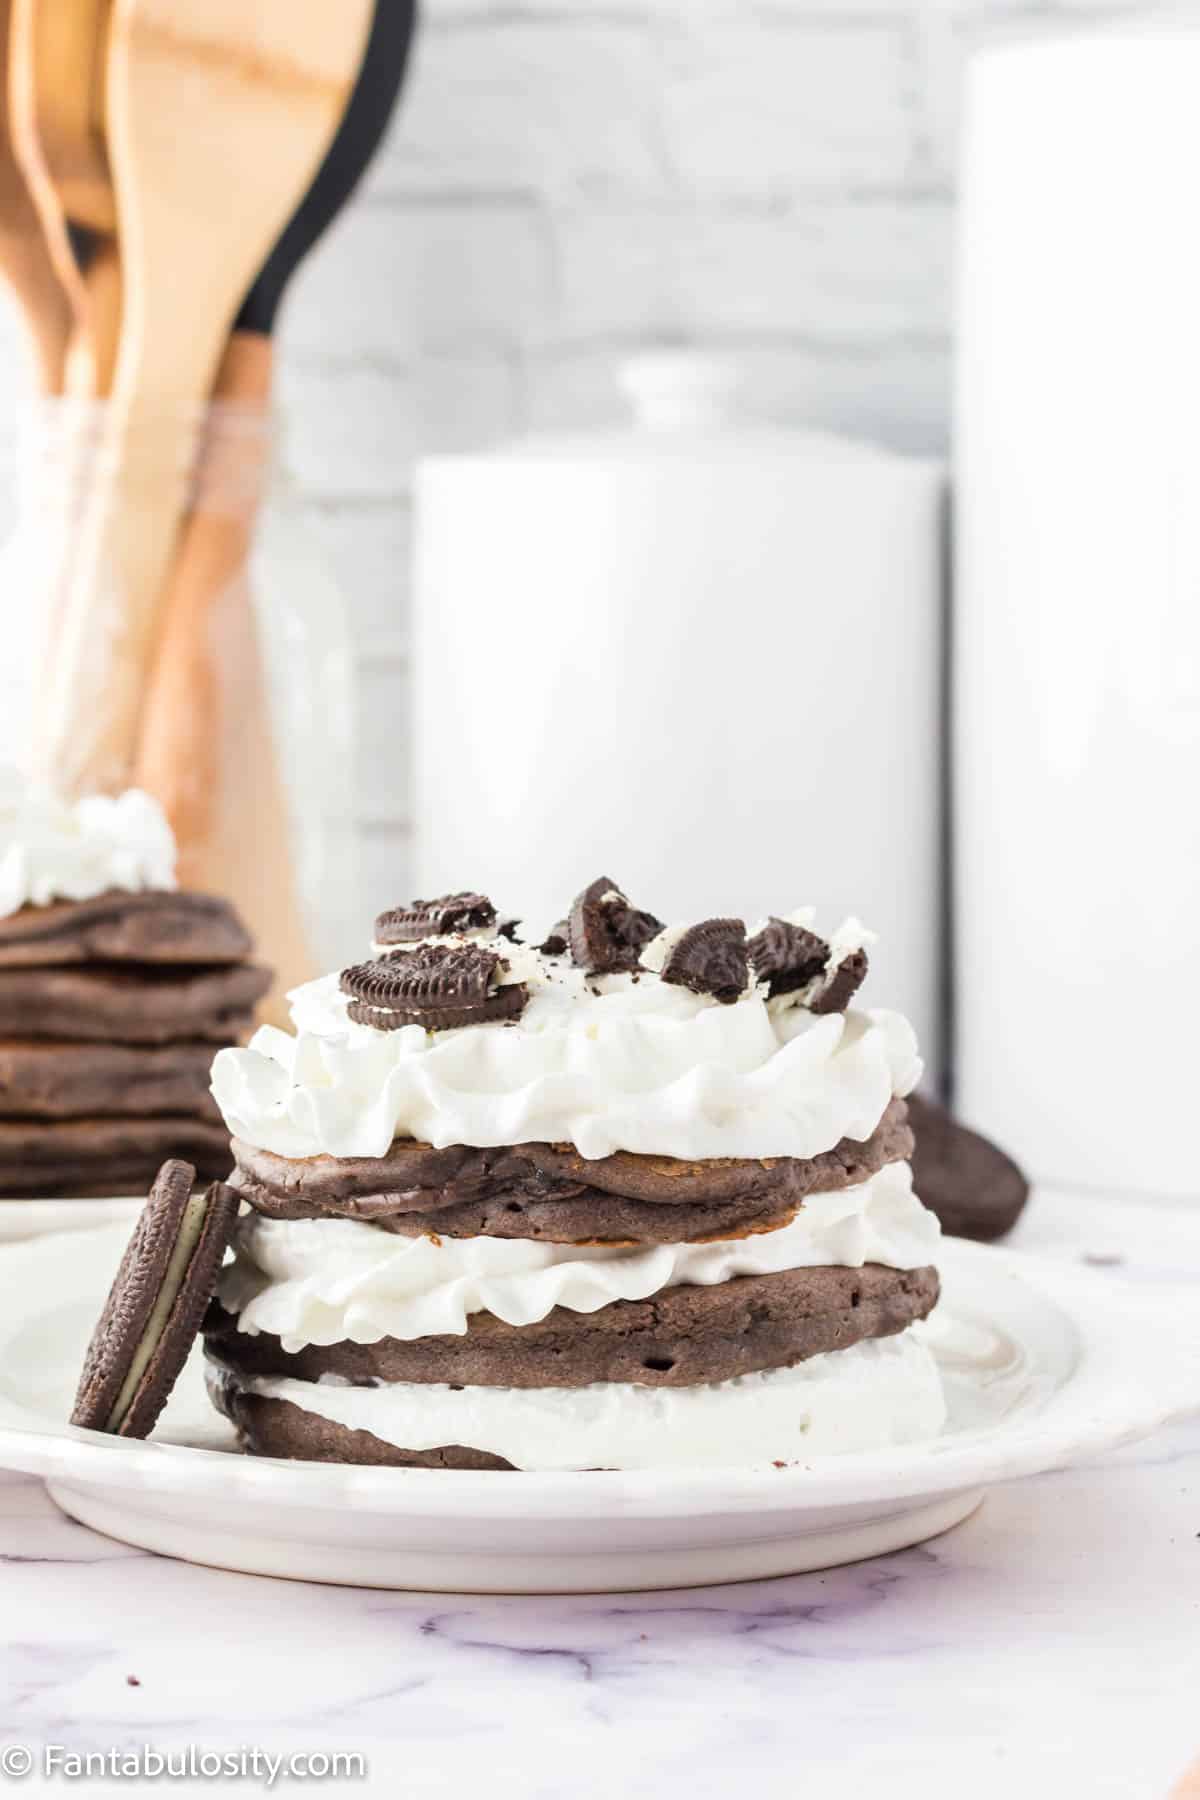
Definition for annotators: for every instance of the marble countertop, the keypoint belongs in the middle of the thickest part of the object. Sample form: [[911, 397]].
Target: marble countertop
[[1049, 1646]]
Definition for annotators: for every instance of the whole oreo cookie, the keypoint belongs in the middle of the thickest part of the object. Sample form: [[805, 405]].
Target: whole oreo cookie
[[973, 1187], [786, 956], [155, 1305], [439, 986], [435, 918], [604, 933], [711, 958]]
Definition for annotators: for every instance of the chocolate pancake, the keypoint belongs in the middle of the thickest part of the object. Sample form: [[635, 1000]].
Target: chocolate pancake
[[140, 928], [550, 1191], [973, 1187], [134, 1003], [681, 1337], [41, 1159], [277, 1428], [70, 1081]]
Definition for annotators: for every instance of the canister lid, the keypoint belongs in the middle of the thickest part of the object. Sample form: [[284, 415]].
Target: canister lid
[[687, 406]]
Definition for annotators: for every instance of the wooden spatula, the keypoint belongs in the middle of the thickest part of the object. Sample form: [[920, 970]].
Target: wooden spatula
[[218, 113], [206, 747], [56, 58], [25, 261], [56, 95]]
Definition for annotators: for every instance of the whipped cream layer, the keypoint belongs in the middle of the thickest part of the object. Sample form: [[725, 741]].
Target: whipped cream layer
[[874, 1395], [52, 849], [331, 1281], [604, 1063]]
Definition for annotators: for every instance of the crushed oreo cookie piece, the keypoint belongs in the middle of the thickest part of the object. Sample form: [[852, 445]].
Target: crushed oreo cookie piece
[[848, 977], [435, 918], [605, 933], [438, 986], [786, 956], [711, 958], [557, 943]]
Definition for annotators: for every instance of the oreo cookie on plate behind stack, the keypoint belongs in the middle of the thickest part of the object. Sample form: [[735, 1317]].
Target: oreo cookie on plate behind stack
[[973, 1187], [625, 1195], [116, 991]]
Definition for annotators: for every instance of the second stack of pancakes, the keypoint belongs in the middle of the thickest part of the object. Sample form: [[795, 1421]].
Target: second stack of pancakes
[[534, 1207], [112, 1005]]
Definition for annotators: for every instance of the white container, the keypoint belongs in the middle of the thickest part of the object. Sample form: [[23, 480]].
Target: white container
[[700, 657], [1078, 609]]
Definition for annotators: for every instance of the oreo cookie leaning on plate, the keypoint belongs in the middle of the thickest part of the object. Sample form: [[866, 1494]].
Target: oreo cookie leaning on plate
[[711, 958], [439, 986], [973, 1187], [155, 1305], [452, 913], [605, 934]]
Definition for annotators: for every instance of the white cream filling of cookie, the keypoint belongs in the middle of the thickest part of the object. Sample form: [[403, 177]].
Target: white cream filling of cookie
[[191, 1229], [329, 1281], [873, 1395]]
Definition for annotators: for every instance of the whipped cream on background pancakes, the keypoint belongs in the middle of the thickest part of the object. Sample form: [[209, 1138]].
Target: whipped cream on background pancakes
[[680, 1042], [53, 849], [116, 990]]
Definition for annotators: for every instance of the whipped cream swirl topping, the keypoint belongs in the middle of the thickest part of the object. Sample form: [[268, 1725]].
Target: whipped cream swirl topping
[[603, 1062], [53, 849], [327, 1281]]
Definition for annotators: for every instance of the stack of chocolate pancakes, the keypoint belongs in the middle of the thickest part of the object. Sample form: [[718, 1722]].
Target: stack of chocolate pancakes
[[111, 1010], [637, 1195]]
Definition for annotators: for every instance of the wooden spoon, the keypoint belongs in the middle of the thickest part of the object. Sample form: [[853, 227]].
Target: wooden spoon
[[25, 260], [218, 114], [56, 61], [206, 746]]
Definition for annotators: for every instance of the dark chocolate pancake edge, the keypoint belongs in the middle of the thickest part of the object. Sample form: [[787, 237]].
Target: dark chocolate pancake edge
[[74, 1158], [131, 1003], [270, 1427], [685, 1336], [156, 926], [546, 1190], [55, 1080]]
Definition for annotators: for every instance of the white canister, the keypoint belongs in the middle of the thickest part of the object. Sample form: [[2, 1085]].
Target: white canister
[[1078, 609], [698, 656]]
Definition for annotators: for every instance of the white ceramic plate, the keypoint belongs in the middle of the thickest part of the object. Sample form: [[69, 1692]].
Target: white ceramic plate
[[23, 1219], [1044, 1365]]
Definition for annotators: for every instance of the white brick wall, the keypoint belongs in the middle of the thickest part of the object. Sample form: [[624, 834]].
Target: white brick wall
[[568, 178]]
